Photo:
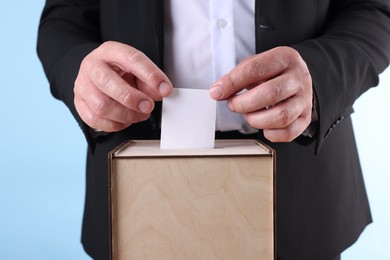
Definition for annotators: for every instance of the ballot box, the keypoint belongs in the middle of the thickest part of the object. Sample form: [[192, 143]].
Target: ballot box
[[192, 204]]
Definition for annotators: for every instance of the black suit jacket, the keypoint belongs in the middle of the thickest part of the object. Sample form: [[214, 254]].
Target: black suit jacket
[[321, 201]]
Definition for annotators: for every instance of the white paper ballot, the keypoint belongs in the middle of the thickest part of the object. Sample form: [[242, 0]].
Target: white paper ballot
[[188, 120]]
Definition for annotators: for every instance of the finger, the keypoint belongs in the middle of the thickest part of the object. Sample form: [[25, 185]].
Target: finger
[[133, 81], [137, 63], [95, 121], [119, 71], [266, 94], [279, 116], [288, 133], [114, 86], [107, 108], [259, 68]]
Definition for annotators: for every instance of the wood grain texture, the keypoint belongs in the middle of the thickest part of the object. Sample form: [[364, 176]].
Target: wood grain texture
[[193, 208]]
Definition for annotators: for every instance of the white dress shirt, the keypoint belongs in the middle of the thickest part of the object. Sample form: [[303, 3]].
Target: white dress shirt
[[205, 39]]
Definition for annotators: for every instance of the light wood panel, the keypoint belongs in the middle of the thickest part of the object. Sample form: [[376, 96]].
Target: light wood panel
[[193, 207]]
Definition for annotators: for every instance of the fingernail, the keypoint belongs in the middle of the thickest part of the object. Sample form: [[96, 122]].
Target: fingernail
[[164, 89], [230, 106], [215, 92], [145, 106]]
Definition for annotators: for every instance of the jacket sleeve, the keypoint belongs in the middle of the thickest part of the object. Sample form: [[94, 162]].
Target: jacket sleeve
[[68, 31], [346, 59]]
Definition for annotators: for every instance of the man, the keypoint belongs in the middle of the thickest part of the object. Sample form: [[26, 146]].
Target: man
[[309, 62]]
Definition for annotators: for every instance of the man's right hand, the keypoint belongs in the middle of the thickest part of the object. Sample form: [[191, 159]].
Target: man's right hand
[[117, 86]]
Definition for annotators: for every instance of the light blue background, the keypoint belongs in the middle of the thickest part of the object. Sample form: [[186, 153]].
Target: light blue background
[[42, 154]]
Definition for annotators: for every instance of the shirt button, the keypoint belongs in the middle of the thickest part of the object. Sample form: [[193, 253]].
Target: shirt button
[[221, 23]]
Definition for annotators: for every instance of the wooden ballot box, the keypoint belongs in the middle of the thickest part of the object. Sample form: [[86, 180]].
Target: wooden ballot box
[[192, 204]]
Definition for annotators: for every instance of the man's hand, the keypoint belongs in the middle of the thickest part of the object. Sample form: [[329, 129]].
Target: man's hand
[[279, 93], [117, 86]]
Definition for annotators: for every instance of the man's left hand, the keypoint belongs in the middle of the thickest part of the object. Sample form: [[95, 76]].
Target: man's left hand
[[273, 90]]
